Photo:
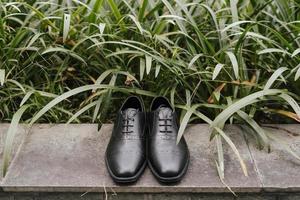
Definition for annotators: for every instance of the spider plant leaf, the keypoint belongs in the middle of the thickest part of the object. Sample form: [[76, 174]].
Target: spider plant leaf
[[212, 15], [26, 97], [234, 10], [183, 6], [34, 39], [197, 113], [10, 138], [115, 9], [82, 110], [142, 68], [157, 70], [102, 28], [243, 102], [62, 97], [237, 23], [297, 75], [258, 36], [95, 10], [131, 8], [66, 26], [172, 95], [107, 97], [17, 84], [97, 106], [260, 131], [46, 94], [229, 102], [142, 10], [148, 64], [188, 98], [217, 70], [235, 150], [292, 103], [296, 52], [220, 152], [78, 90], [103, 76], [274, 77], [84, 5], [62, 50], [285, 113], [155, 55], [2, 77], [170, 17], [184, 122], [216, 94], [41, 15], [137, 23], [137, 53], [272, 50], [173, 12], [221, 176], [194, 59], [234, 63], [203, 117]]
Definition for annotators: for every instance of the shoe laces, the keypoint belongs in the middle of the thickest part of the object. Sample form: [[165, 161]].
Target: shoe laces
[[128, 117], [165, 116]]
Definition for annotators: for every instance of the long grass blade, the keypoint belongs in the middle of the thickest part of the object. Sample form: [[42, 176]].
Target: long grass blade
[[217, 70], [235, 150], [225, 114], [274, 77], [148, 64], [2, 77], [10, 138], [234, 63], [66, 27]]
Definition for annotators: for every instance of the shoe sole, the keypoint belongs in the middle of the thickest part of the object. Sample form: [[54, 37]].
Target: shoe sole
[[173, 179], [131, 179]]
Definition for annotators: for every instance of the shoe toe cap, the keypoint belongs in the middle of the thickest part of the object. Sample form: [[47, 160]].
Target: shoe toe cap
[[124, 166], [125, 171], [168, 168]]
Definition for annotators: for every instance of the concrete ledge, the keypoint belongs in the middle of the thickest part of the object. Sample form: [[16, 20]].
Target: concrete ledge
[[70, 158], [279, 170]]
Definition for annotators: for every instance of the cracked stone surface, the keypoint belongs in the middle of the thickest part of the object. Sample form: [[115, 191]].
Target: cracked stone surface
[[279, 170], [56, 158]]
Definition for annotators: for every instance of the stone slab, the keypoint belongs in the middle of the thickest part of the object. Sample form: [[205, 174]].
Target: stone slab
[[70, 158], [279, 170], [18, 139]]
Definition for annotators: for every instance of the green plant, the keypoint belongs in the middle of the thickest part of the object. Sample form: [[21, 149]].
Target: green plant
[[218, 61]]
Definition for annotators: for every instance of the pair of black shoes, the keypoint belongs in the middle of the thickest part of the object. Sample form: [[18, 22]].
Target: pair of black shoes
[[138, 140]]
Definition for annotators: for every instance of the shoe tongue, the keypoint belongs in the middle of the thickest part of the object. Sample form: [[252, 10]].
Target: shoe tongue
[[165, 111], [130, 112]]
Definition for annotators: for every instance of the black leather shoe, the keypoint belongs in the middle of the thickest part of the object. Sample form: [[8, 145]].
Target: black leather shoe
[[167, 161], [126, 152]]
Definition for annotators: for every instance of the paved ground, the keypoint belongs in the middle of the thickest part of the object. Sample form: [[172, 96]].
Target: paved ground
[[69, 158]]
